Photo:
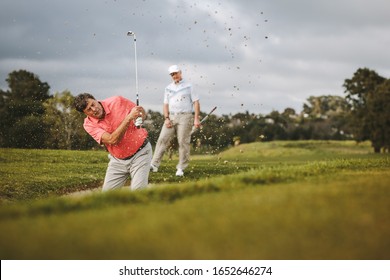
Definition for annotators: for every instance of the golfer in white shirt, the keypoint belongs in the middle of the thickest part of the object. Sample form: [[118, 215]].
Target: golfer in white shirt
[[181, 112]]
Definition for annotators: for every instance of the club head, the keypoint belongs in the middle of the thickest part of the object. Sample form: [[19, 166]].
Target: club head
[[130, 33]]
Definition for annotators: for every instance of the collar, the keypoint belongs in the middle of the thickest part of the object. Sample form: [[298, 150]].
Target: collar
[[179, 83]]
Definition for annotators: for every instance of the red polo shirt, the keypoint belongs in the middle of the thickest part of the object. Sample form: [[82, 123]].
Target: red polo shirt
[[116, 109]]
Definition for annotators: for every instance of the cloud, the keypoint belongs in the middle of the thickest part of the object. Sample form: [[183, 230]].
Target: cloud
[[240, 55]]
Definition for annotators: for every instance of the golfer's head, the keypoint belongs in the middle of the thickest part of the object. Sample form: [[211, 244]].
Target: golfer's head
[[175, 73], [87, 104]]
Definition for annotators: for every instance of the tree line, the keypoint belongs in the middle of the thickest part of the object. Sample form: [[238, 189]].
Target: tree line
[[32, 118]]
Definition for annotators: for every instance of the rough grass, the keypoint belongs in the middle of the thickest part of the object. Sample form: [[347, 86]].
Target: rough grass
[[286, 200]]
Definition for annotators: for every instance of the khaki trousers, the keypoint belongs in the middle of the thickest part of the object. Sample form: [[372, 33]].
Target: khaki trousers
[[138, 167], [181, 126]]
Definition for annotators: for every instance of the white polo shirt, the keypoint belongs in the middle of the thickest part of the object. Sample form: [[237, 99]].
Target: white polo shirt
[[180, 97]]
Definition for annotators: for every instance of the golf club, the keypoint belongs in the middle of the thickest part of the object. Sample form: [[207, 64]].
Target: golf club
[[204, 119], [131, 33]]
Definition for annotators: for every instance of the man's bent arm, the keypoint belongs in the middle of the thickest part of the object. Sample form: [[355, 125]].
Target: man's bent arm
[[115, 137]]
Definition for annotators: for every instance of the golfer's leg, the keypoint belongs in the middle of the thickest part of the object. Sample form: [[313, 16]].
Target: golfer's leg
[[116, 174], [184, 128], [163, 141], [140, 167]]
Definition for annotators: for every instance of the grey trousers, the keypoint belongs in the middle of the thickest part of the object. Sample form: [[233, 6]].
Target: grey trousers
[[181, 126], [138, 167]]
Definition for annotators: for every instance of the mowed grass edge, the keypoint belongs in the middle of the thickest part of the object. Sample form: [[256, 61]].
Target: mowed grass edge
[[36, 174], [263, 175]]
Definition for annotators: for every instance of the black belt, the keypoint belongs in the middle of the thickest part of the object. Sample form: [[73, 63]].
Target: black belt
[[139, 149]]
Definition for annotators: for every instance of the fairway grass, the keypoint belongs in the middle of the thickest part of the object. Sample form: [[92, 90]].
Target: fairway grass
[[315, 200]]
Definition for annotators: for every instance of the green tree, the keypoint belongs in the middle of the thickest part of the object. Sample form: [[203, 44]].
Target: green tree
[[325, 106], [327, 116], [65, 124], [367, 94], [211, 135], [153, 124], [378, 117], [21, 111]]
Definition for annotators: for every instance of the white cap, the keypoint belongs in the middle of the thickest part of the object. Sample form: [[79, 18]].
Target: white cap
[[173, 69]]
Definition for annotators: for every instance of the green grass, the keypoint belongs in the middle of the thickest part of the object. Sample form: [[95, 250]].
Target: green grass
[[31, 174], [278, 200], [36, 174]]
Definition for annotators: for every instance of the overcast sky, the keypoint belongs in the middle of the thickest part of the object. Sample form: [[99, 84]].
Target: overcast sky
[[258, 55]]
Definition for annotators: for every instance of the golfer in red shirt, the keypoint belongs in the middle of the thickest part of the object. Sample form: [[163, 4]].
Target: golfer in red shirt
[[112, 122]]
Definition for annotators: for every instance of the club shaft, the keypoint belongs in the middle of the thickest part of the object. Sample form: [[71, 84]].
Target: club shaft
[[136, 69], [130, 33], [203, 120], [206, 117]]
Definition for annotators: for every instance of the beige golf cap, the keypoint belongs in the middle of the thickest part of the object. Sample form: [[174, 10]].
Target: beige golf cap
[[173, 69]]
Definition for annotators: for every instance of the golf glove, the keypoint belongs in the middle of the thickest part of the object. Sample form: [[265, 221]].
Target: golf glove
[[138, 121]]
